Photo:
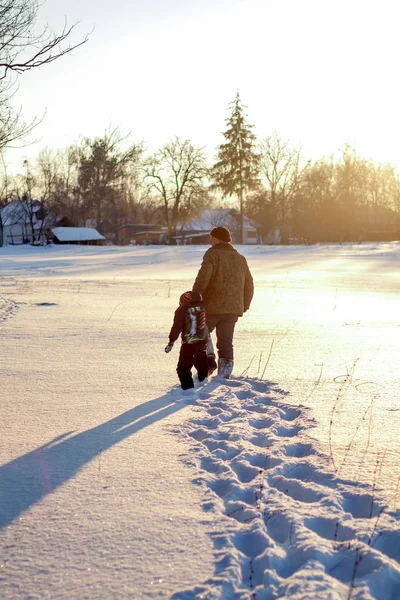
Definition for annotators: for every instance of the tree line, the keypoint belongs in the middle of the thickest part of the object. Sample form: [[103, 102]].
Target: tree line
[[113, 178]]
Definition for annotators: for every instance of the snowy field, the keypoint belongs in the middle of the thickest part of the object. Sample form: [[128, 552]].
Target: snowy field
[[282, 482]]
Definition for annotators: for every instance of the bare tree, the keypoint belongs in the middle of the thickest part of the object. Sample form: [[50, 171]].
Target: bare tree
[[176, 174], [282, 168], [104, 166], [23, 49]]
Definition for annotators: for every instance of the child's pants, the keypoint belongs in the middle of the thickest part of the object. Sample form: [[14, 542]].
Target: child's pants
[[189, 356]]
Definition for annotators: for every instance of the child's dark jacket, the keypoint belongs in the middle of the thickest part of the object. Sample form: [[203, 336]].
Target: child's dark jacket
[[190, 323]]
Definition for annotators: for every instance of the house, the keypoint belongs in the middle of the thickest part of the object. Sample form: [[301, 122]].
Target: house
[[141, 233], [197, 230], [23, 222], [63, 222], [382, 224], [109, 230], [76, 235], [273, 236]]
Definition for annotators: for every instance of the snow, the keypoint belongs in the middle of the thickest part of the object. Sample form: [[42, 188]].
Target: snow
[[281, 482], [76, 234]]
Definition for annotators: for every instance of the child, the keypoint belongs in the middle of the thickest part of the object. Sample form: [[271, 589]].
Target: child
[[190, 322]]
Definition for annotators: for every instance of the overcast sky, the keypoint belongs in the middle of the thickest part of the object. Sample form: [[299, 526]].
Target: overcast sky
[[319, 72]]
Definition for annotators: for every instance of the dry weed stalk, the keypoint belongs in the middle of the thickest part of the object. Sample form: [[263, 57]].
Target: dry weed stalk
[[248, 367], [269, 356], [368, 409], [347, 378]]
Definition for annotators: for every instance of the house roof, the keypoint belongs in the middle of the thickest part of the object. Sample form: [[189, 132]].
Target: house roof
[[19, 211], [76, 234]]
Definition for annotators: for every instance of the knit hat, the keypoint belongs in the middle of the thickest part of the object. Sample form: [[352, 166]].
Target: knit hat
[[189, 297], [221, 233]]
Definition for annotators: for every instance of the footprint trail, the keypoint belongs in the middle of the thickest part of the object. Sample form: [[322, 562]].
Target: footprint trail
[[288, 526]]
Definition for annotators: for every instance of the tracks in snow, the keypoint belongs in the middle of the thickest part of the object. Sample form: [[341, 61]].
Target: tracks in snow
[[8, 308], [289, 526]]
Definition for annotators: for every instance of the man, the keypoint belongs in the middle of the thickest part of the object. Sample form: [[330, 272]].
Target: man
[[225, 282]]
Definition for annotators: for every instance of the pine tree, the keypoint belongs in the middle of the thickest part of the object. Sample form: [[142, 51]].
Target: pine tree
[[237, 166]]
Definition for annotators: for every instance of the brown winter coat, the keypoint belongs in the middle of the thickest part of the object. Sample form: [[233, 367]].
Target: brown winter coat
[[225, 281]]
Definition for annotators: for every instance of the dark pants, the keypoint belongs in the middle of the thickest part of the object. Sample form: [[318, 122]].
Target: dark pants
[[224, 326], [192, 355]]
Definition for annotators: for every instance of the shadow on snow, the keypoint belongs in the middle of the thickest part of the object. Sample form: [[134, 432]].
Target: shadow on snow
[[29, 478]]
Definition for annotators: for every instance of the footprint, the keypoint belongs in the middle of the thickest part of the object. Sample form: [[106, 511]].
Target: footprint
[[299, 450], [199, 434], [388, 542], [229, 489], [232, 383], [245, 395], [240, 512], [223, 487], [307, 472], [288, 431], [289, 414], [221, 449], [245, 472], [298, 491], [261, 461], [330, 529], [213, 465], [229, 416], [214, 412], [261, 423], [258, 408], [279, 527], [209, 423], [262, 387], [345, 564], [261, 440], [362, 506], [251, 543]]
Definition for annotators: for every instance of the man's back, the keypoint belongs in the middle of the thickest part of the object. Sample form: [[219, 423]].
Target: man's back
[[225, 281]]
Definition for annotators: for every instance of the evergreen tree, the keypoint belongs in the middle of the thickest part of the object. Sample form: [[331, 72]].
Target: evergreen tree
[[237, 166]]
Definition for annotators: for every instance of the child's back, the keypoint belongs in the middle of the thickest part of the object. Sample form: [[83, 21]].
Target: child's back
[[190, 320], [190, 323]]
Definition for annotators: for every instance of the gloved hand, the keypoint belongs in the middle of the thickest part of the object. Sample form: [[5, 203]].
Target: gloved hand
[[169, 347]]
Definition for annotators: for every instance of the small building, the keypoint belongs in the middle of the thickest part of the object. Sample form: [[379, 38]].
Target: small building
[[109, 230], [23, 222], [63, 222], [197, 230], [77, 235], [382, 224], [273, 236], [141, 233]]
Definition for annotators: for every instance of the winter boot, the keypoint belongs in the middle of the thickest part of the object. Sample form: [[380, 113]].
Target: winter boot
[[225, 367], [212, 363]]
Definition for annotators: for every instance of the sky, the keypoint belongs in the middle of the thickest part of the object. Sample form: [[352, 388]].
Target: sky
[[321, 74]]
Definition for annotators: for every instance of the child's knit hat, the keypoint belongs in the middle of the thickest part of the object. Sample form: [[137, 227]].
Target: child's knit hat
[[189, 297]]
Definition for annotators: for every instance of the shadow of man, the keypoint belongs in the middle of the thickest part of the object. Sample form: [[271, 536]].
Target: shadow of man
[[27, 479]]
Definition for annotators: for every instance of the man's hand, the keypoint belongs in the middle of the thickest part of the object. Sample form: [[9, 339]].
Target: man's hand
[[169, 347]]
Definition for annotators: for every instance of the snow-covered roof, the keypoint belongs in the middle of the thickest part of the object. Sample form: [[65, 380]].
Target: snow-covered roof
[[193, 235], [216, 217], [77, 234], [19, 211]]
